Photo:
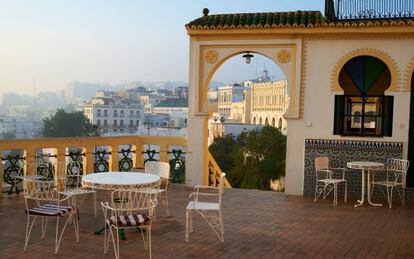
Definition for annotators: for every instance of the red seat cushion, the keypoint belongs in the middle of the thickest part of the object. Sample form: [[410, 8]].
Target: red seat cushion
[[128, 220], [51, 210]]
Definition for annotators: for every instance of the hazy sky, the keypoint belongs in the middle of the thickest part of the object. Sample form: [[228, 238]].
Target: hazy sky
[[59, 41]]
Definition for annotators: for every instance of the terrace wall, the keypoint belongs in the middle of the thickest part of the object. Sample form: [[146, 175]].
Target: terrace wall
[[342, 151]]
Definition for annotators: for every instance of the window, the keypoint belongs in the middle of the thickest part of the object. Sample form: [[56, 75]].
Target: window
[[364, 110], [98, 123], [105, 123], [115, 123], [121, 123]]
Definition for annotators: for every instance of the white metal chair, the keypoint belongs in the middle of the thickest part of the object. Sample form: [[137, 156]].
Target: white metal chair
[[43, 199], [162, 169], [325, 181], [211, 211], [396, 176], [73, 173], [130, 209]]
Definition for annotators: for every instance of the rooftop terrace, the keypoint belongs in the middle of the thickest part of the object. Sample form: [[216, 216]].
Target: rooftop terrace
[[258, 224]]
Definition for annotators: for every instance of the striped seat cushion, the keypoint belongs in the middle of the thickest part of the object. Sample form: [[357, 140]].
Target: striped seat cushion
[[128, 220], [51, 210]]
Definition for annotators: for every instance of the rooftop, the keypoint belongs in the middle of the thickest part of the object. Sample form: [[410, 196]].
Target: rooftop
[[257, 224], [256, 20], [173, 103], [297, 19]]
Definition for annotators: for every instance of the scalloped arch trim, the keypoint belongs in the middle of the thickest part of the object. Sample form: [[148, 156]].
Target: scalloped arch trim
[[408, 75], [392, 66]]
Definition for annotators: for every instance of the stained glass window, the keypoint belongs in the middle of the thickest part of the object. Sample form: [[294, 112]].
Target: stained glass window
[[364, 110]]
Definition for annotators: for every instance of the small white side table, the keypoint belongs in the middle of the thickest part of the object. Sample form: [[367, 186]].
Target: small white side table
[[365, 166]]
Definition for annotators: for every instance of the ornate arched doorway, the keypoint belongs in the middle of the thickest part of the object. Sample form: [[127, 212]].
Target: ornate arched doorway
[[207, 53]]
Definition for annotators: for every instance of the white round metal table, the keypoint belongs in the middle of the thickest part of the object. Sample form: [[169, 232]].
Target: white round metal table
[[119, 180], [365, 166]]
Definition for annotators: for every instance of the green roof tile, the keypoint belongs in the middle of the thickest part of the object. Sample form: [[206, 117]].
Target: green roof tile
[[173, 103], [303, 19], [254, 20]]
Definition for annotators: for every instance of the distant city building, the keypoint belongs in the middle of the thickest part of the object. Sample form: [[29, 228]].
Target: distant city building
[[21, 111], [164, 92], [78, 92], [124, 111], [227, 95], [181, 92], [20, 128], [157, 120], [269, 101], [212, 95], [177, 111], [259, 101], [114, 115]]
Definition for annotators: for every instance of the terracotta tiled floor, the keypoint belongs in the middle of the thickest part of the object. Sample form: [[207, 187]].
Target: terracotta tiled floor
[[258, 225]]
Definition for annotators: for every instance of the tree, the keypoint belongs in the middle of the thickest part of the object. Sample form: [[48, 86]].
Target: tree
[[224, 150], [63, 124], [265, 156], [253, 159]]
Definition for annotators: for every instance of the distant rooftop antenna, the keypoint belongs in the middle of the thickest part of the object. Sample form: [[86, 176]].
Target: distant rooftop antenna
[[265, 74]]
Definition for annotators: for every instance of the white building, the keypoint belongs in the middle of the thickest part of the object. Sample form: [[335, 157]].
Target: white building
[[20, 128], [335, 68], [227, 95], [114, 115], [269, 101], [20, 110], [178, 114]]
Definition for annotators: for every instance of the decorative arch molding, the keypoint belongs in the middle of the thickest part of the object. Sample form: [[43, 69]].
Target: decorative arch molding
[[209, 56], [384, 57], [254, 121], [274, 122], [408, 75], [280, 122]]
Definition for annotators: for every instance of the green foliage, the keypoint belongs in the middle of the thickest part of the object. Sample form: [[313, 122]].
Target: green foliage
[[253, 159], [63, 124]]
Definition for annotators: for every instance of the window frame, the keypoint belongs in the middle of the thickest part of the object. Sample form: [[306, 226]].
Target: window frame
[[383, 116], [364, 131]]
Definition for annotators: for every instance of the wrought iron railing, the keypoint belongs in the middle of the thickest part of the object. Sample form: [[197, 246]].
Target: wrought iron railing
[[13, 166], [369, 9], [94, 154]]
